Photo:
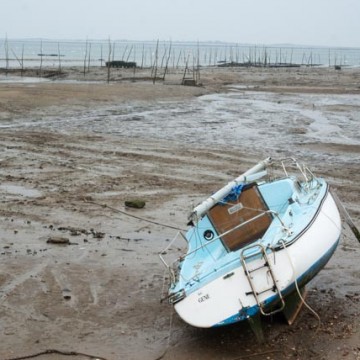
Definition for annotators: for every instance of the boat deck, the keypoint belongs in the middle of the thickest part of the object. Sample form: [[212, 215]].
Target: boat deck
[[290, 208]]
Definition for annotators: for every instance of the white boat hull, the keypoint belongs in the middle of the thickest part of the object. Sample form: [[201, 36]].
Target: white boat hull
[[229, 297]]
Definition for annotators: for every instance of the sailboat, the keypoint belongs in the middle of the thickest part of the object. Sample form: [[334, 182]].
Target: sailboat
[[253, 244]]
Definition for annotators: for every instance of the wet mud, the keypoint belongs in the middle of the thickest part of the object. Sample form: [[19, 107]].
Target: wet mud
[[73, 153]]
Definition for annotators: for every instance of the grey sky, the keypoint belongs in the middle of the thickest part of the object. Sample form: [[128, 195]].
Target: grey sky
[[301, 22]]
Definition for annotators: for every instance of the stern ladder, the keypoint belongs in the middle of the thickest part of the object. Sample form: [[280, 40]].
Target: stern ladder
[[250, 275]]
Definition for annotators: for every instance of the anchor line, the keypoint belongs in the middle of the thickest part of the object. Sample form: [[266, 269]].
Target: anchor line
[[299, 292], [134, 216]]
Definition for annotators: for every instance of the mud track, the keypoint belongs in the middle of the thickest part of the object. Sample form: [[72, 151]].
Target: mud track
[[68, 149]]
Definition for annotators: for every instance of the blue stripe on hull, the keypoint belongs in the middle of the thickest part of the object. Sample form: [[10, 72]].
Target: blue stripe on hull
[[301, 281]]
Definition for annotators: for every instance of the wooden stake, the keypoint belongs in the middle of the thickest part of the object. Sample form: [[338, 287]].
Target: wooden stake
[[167, 62], [113, 51], [163, 57], [197, 79], [178, 61], [22, 60], [59, 58], [130, 51], [6, 45], [88, 67], [156, 60], [85, 56], [41, 56], [134, 63], [19, 61], [108, 67], [142, 56], [186, 68]]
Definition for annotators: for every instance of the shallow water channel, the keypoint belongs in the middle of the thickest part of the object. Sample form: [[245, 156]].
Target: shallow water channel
[[291, 124]]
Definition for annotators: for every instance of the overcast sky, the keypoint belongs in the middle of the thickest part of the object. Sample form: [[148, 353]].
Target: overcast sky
[[301, 22]]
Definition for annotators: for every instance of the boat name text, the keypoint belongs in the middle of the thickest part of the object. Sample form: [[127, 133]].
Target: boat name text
[[203, 298]]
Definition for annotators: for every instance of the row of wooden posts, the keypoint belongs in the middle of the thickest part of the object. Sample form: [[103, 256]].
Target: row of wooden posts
[[159, 69], [160, 63]]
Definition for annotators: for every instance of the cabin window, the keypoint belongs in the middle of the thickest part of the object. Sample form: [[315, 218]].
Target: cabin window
[[208, 235]]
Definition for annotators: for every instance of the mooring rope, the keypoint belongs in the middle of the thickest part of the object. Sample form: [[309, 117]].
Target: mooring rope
[[299, 292], [169, 336], [54, 351], [134, 216]]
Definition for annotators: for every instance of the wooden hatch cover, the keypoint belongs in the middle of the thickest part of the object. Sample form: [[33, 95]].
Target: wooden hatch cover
[[225, 217]]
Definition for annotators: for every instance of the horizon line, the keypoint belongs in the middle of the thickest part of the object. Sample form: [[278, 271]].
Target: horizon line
[[194, 42]]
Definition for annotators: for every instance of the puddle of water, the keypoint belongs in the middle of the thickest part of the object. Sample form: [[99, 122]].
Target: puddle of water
[[20, 190], [255, 121], [23, 80]]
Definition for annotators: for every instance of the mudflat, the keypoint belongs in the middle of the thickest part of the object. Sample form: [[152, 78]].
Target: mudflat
[[80, 273]]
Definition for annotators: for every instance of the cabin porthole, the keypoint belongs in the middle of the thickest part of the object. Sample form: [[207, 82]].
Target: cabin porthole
[[208, 235]]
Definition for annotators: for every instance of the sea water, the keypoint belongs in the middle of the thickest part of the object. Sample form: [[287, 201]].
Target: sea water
[[15, 53]]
